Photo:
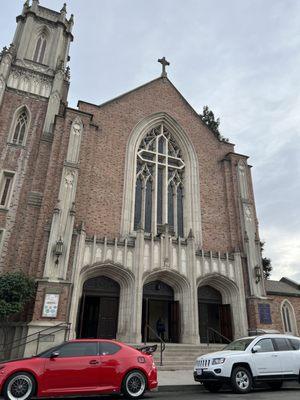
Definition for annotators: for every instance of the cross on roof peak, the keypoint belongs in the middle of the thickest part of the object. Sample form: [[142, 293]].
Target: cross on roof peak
[[164, 63]]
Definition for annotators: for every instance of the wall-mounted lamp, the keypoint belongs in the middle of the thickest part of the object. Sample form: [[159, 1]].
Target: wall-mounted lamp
[[58, 249], [257, 273]]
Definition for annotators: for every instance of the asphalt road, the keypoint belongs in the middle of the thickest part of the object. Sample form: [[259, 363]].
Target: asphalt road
[[198, 393]]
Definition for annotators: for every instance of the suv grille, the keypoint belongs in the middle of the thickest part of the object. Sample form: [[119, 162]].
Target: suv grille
[[203, 363]]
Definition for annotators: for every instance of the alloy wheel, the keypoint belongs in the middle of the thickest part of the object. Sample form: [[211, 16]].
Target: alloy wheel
[[135, 384], [19, 388], [242, 380]]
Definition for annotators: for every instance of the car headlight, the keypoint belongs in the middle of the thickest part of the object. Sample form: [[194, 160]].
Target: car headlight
[[218, 361]]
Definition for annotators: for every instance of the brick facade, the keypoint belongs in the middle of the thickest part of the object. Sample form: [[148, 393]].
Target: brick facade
[[70, 184]]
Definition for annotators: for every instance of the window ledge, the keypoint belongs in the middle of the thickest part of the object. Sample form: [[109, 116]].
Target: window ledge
[[3, 209], [20, 146]]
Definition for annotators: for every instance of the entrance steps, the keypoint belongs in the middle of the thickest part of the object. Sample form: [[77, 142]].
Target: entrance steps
[[181, 356]]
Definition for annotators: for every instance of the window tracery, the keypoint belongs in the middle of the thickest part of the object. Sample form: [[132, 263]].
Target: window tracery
[[159, 191], [20, 128], [40, 48]]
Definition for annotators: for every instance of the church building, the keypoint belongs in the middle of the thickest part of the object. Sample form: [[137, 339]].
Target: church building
[[125, 213]]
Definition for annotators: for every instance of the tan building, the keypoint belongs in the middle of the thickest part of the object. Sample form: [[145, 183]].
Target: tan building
[[126, 212]]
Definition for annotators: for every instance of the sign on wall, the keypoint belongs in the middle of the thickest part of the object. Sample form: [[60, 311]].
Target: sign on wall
[[264, 311], [50, 305]]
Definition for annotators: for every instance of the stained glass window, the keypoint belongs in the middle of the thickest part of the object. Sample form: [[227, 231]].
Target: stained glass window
[[159, 182]]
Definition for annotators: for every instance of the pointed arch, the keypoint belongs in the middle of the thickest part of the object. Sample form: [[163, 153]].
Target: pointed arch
[[126, 281], [288, 317], [42, 38], [20, 125], [191, 203], [231, 294]]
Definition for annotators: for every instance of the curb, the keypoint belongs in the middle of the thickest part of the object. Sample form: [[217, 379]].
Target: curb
[[176, 388]]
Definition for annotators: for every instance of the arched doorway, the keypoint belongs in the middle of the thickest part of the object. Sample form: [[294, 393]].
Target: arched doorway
[[99, 308], [213, 314], [159, 307]]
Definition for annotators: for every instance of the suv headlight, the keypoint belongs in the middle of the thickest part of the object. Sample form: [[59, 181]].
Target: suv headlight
[[218, 361]]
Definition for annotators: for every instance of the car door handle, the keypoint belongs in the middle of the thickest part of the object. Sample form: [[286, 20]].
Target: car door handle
[[93, 362], [274, 355]]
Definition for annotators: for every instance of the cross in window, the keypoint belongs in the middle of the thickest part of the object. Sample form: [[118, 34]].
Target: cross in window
[[164, 63]]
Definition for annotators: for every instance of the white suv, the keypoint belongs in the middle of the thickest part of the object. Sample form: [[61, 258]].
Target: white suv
[[266, 358]]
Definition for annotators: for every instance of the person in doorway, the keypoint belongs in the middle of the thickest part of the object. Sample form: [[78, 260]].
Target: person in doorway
[[161, 328]]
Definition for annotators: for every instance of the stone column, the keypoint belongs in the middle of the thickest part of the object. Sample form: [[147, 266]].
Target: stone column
[[192, 331], [138, 287]]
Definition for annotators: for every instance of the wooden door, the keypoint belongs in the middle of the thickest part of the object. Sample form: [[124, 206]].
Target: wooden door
[[225, 320], [174, 332], [145, 320], [108, 317]]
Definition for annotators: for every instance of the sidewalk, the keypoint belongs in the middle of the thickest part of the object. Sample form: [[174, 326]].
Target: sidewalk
[[176, 378]]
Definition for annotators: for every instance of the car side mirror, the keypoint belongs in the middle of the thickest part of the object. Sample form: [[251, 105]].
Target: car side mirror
[[54, 354], [256, 348]]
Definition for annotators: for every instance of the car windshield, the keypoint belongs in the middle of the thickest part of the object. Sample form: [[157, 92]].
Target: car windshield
[[240, 344]]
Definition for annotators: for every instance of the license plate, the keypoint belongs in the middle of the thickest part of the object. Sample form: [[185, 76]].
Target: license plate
[[199, 371]]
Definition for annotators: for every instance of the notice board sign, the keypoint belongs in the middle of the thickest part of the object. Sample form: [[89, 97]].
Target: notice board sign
[[50, 305], [264, 311]]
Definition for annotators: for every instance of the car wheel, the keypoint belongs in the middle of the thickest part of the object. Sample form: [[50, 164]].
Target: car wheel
[[241, 380], [134, 385], [212, 387], [276, 385], [20, 386]]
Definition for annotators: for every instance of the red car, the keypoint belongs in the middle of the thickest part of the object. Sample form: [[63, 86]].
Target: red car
[[80, 367]]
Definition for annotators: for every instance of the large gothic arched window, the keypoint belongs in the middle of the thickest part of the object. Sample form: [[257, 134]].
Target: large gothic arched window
[[159, 188]]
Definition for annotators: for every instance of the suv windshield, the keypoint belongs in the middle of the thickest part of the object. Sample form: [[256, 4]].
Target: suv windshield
[[240, 344]]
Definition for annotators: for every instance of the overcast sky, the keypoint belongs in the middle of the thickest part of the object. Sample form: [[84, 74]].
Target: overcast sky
[[241, 58]]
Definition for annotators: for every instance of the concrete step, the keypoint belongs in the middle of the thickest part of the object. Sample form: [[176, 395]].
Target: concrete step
[[180, 356]]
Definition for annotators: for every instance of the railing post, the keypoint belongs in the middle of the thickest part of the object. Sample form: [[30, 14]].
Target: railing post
[[37, 343]]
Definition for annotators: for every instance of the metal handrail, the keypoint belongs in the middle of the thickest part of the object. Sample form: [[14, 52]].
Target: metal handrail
[[208, 329], [61, 326], [33, 334], [162, 342]]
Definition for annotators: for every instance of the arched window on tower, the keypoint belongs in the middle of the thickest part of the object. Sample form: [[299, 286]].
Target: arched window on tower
[[159, 191], [288, 318], [20, 127], [40, 48]]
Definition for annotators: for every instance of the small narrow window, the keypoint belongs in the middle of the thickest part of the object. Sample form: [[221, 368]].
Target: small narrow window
[[20, 128], [1, 237], [40, 49], [288, 318], [5, 189]]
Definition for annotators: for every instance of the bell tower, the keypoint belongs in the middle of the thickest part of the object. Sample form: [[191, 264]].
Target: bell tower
[[36, 61]]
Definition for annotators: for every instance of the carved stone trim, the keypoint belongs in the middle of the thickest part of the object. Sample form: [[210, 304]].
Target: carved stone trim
[[35, 199]]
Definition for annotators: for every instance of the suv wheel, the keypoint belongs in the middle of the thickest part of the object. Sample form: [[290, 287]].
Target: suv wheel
[[241, 380], [212, 387], [276, 385]]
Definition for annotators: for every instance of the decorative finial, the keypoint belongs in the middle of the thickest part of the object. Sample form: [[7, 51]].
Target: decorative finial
[[26, 4], [64, 8], [164, 63], [191, 234]]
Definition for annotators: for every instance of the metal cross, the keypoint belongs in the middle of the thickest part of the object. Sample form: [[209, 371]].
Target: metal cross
[[164, 63]]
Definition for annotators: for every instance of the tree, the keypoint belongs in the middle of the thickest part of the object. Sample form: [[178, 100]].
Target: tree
[[266, 263], [16, 289], [208, 118]]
